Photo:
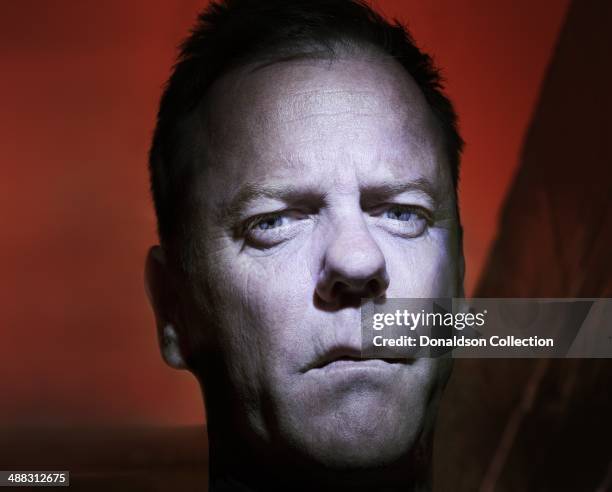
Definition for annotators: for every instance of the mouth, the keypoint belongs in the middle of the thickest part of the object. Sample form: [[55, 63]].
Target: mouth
[[348, 358]]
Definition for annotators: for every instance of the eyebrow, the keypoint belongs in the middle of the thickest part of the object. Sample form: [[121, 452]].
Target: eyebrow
[[382, 191], [250, 192]]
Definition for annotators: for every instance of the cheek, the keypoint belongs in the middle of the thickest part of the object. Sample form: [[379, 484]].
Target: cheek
[[273, 286], [261, 300], [425, 268]]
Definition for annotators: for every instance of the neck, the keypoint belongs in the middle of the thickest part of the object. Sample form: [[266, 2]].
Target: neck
[[234, 467], [229, 483]]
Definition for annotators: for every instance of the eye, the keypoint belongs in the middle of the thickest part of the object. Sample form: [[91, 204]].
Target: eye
[[271, 229], [270, 222], [399, 213], [404, 220]]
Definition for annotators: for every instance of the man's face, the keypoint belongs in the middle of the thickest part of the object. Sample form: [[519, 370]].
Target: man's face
[[324, 182]]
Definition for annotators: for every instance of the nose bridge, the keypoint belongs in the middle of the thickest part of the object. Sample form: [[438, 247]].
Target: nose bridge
[[351, 246]]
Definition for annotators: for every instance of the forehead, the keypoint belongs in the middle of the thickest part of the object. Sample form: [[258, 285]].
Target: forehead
[[307, 119]]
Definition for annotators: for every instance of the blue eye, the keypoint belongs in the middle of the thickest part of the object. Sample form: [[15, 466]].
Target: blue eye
[[404, 220], [399, 213], [269, 223], [266, 231]]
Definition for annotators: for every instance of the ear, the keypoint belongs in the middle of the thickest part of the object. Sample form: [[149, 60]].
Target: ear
[[160, 291]]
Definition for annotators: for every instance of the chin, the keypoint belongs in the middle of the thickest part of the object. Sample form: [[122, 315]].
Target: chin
[[363, 433]]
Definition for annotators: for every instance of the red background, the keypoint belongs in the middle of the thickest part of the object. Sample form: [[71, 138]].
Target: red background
[[79, 83]]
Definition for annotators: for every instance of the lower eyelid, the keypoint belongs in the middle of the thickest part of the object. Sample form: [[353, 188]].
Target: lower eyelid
[[288, 231], [403, 227]]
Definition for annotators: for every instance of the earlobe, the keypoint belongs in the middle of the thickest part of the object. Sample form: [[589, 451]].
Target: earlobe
[[170, 347], [159, 292]]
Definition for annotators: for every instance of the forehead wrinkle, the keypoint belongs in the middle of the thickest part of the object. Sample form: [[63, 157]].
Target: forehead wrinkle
[[392, 94], [390, 84], [316, 103]]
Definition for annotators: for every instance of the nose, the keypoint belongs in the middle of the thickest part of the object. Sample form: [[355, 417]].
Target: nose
[[353, 266]]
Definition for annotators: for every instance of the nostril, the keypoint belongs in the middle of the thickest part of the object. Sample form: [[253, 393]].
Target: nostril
[[373, 288], [338, 289]]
